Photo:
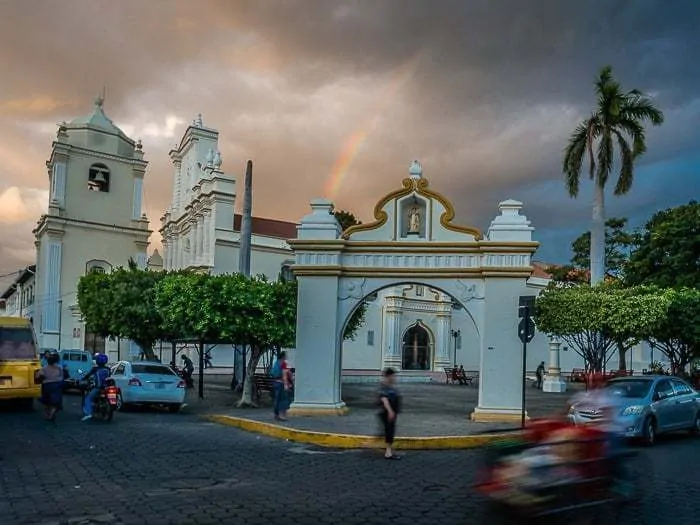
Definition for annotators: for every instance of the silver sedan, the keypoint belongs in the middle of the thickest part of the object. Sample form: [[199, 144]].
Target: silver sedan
[[644, 406]]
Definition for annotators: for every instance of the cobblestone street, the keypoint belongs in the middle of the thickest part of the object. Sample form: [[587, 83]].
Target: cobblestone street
[[157, 468]]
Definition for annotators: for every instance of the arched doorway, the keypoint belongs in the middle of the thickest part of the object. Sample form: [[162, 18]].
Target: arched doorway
[[416, 350]]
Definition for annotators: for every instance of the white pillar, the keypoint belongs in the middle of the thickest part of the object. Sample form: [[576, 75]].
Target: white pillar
[[391, 334], [553, 381], [444, 348], [208, 236], [194, 241]]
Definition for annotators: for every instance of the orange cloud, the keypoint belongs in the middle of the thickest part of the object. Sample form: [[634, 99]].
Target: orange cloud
[[22, 204], [34, 106]]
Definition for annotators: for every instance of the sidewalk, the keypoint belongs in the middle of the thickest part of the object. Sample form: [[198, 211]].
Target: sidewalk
[[434, 416]]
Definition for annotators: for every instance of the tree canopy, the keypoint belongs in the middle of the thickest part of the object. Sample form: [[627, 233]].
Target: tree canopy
[[668, 250], [594, 320], [619, 242], [346, 219]]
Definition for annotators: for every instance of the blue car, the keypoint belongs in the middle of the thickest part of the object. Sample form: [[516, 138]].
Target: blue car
[[647, 405]]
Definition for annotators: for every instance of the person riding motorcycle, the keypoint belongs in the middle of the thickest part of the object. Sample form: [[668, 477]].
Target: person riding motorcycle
[[96, 377]]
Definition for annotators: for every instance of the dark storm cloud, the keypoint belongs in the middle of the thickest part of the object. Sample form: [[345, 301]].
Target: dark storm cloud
[[494, 90]]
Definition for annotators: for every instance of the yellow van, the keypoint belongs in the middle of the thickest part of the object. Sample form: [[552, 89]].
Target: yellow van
[[19, 361]]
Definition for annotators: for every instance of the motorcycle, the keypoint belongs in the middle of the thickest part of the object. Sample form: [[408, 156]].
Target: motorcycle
[[187, 378], [105, 402]]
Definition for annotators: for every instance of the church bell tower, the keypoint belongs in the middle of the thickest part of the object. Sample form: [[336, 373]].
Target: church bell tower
[[94, 222]]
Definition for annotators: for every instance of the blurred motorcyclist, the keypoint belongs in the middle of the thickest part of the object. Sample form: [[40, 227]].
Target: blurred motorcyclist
[[96, 377]]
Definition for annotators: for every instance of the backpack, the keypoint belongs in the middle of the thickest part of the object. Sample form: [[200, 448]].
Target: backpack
[[276, 371]]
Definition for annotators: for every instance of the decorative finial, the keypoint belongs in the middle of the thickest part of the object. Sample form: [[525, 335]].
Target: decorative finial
[[198, 121], [99, 101], [210, 157], [139, 146], [415, 170], [217, 159]]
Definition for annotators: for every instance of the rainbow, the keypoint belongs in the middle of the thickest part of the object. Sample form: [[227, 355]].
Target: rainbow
[[352, 146]]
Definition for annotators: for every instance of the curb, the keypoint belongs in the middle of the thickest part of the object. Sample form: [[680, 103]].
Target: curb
[[354, 441]]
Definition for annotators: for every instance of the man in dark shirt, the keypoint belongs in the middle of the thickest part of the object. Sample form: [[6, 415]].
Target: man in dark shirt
[[389, 408], [540, 374]]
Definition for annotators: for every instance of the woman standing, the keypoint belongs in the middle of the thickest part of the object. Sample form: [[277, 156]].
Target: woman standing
[[51, 386], [390, 406]]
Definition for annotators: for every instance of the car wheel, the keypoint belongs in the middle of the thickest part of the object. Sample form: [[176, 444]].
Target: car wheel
[[175, 408], [121, 406], [649, 432], [695, 430]]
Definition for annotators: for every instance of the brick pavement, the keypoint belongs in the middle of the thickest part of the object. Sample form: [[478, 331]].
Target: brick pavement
[[157, 468]]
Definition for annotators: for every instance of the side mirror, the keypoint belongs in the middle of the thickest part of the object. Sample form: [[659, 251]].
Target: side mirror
[[657, 396]]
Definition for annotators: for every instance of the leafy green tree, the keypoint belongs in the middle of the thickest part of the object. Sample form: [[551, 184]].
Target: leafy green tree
[[668, 251], [594, 321], [346, 219], [619, 243], [95, 302], [617, 118], [677, 332]]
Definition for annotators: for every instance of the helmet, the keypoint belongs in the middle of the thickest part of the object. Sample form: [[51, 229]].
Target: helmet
[[52, 357], [101, 359]]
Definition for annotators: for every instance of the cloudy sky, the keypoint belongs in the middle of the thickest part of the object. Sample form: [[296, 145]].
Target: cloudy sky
[[334, 98]]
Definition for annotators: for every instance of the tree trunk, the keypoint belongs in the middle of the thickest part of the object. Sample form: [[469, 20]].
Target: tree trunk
[[622, 354], [147, 349], [249, 382], [598, 234]]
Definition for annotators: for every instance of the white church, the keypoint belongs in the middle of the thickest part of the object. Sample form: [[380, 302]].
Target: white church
[[95, 222]]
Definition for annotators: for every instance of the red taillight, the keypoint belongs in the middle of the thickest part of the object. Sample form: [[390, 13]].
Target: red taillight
[[111, 390], [134, 381], [181, 384]]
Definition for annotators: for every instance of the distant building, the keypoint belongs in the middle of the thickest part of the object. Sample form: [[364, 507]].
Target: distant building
[[95, 222], [18, 299]]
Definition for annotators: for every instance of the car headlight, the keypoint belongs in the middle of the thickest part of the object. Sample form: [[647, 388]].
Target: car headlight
[[633, 410]]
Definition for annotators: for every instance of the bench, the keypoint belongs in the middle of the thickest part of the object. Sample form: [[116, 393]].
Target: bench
[[455, 375], [577, 375], [263, 383]]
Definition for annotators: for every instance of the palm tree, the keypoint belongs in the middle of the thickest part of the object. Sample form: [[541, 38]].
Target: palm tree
[[618, 118]]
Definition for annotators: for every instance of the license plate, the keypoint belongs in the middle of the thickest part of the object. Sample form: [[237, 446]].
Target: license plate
[[112, 397], [160, 386]]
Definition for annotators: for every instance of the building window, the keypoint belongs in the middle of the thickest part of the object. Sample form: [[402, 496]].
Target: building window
[[97, 266], [98, 178], [286, 273], [370, 337]]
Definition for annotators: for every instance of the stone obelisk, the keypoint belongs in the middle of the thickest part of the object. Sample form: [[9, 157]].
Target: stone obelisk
[[246, 223]]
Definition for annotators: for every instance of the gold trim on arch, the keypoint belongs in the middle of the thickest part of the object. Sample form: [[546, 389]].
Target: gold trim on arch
[[380, 216], [449, 214], [420, 186]]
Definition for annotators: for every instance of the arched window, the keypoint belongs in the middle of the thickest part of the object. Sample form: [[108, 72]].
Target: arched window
[[416, 353], [97, 266], [98, 178]]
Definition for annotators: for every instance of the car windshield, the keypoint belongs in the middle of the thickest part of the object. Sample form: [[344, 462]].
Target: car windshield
[[16, 344], [629, 388], [161, 370]]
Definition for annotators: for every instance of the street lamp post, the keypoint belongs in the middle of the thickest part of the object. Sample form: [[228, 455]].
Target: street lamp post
[[455, 334]]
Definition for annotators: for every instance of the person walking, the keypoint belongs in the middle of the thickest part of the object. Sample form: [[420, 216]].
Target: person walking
[[51, 376], [389, 408], [282, 376], [540, 375]]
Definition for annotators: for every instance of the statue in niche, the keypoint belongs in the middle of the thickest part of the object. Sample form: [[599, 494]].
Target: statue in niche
[[414, 220]]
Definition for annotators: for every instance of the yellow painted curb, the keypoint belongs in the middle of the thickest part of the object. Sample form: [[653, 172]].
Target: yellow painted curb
[[330, 440]]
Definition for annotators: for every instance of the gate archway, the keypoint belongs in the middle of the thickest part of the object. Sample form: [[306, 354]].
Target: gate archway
[[412, 238]]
